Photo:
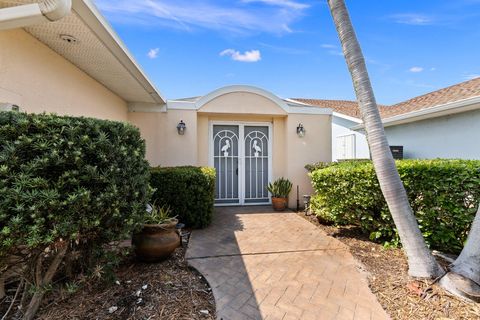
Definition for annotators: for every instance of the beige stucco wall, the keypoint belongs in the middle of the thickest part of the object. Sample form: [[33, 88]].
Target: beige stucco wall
[[290, 153], [38, 79], [165, 147], [315, 146], [242, 103]]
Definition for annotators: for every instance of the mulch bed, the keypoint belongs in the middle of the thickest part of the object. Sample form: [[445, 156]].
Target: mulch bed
[[164, 290], [401, 296]]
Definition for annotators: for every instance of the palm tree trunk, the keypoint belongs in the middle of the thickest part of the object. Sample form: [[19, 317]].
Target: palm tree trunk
[[420, 261], [464, 276]]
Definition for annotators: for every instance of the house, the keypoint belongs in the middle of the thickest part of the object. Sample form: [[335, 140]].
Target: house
[[248, 134], [439, 124], [346, 143], [77, 65]]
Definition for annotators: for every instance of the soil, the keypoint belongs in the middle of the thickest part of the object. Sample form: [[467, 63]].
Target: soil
[[401, 296], [164, 290]]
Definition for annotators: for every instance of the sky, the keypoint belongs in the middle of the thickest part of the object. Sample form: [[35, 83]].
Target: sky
[[290, 47]]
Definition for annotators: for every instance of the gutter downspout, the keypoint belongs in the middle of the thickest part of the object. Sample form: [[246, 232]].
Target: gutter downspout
[[35, 13]]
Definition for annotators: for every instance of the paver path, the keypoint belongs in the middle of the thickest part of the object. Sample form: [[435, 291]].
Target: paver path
[[269, 265]]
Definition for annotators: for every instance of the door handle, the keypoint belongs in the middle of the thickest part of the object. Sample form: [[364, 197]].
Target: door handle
[[236, 171]]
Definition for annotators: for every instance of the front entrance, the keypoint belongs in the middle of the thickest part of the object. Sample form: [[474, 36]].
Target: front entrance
[[241, 155]]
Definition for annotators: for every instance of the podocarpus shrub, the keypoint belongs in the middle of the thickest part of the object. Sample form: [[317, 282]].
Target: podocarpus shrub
[[68, 186], [188, 191], [444, 195]]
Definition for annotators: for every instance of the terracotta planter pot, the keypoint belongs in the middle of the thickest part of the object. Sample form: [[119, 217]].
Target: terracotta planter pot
[[156, 241], [279, 204]]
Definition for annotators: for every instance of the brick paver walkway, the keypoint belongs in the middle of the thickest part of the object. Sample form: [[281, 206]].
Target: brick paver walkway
[[268, 265]]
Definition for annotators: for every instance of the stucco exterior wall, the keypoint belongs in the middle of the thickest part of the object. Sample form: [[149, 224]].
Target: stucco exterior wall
[[290, 153], [165, 147], [340, 127], [315, 146], [242, 103], [38, 79], [454, 136]]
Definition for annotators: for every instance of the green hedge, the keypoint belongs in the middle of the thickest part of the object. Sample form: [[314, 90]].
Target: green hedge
[[444, 195], [66, 181], [188, 191]]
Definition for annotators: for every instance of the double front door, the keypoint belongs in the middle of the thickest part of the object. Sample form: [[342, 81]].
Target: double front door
[[241, 155]]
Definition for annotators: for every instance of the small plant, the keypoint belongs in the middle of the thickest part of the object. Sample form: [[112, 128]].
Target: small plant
[[280, 188], [71, 287], [159, 236], [159, 215]]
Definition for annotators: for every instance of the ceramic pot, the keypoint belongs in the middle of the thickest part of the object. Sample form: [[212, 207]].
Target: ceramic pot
[[279, 204], [156, 241]]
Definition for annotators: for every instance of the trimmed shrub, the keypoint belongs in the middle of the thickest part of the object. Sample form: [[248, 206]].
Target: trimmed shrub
[[68, 186], [188, 191], [444, 195], [321, 165]]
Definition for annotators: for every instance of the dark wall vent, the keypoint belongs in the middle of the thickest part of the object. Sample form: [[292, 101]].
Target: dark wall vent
[[397, 152]]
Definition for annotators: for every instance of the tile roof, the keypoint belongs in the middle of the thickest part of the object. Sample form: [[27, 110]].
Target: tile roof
[[460, 91], [346, 107], [463, 90]]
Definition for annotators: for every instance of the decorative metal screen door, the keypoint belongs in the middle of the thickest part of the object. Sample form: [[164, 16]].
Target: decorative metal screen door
[[256, 164], [241, 156], [226, 162]]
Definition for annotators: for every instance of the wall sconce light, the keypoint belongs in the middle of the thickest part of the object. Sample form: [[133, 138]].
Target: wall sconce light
[[181, 127], [300, 130]]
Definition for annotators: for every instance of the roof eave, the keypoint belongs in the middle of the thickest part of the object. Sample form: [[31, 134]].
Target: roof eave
[[90, 15], [346, 117], [449, 108]]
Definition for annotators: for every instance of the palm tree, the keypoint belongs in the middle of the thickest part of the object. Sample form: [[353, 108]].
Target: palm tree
[[420, 261], [463, 278]]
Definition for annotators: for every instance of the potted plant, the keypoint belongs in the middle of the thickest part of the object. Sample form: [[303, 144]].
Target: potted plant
[[158, 237], [279, 190]]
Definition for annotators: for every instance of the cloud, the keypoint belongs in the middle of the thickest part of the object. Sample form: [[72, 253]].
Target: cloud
[[382, 67], [247, 56], [328, 46], [242, 17], [281, 3], [413, 19], [332, 49], [471, 76], [153, 53], [419, 84], [286, 50], [415, 69]]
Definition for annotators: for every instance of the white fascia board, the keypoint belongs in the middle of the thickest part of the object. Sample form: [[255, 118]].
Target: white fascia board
[[292, 107], [344, 116], [241, 88], [90, 15], [296, 107], [146, 107], [433, 112], [309, 110], [181, 105], [295, 102]]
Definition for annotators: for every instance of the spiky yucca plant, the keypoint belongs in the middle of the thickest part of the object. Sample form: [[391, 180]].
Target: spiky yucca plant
[[280, 188]]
